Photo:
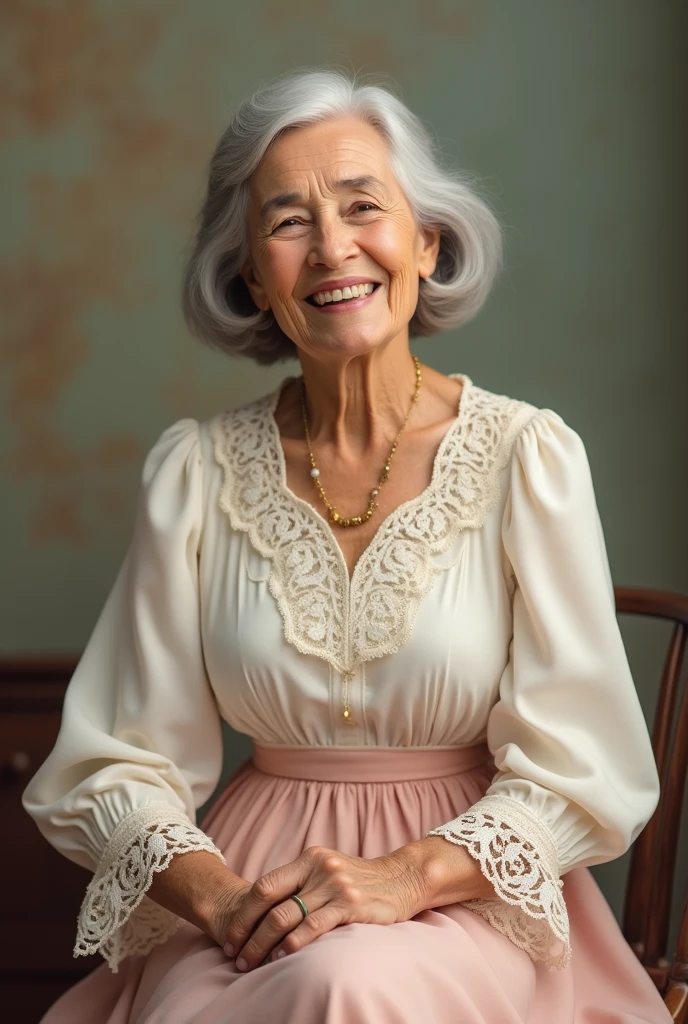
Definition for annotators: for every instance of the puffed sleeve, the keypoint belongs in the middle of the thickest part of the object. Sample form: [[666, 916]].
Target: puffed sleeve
[[576, 778], [140, 741]]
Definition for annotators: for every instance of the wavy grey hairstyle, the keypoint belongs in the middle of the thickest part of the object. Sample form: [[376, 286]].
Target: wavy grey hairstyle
[[215, 300]]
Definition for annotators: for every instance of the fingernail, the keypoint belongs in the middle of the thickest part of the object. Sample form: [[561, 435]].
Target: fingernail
[[282, 952], [241, 964], [229, 949]]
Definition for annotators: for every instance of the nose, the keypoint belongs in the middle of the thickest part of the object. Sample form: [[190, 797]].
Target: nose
[[333, 243]]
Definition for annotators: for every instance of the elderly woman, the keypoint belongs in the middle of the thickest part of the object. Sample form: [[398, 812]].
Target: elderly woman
[[395, 582]]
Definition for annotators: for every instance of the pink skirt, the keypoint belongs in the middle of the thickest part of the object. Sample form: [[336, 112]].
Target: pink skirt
[[443, 966]]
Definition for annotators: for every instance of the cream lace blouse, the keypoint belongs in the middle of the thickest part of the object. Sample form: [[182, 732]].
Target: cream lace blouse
[[488, 597]]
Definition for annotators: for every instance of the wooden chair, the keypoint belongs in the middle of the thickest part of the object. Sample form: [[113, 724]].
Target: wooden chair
[[647, 905]]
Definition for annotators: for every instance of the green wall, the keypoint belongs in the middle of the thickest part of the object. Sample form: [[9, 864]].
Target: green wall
[[570, 112]]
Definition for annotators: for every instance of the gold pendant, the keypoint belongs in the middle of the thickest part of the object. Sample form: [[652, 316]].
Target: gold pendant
[[346, 713]]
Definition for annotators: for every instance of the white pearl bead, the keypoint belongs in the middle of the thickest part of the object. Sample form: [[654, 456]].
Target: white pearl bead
[[315, 472]]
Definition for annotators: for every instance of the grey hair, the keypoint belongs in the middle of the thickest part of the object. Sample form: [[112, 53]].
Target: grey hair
[[216, 303]]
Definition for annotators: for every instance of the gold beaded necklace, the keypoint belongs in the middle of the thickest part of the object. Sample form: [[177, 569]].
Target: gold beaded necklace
[[335, 516]]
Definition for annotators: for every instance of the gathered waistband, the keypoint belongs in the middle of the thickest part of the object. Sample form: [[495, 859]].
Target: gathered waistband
[[367, 764]]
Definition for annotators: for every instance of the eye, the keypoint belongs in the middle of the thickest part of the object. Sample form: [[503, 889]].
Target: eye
[[371, 206], [286, 223]]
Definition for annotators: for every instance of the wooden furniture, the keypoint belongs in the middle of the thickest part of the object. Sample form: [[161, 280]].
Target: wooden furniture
[[43, 890], [647, 906], [41, 903]]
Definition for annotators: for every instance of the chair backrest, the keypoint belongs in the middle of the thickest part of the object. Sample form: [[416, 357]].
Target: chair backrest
[[647, 905]]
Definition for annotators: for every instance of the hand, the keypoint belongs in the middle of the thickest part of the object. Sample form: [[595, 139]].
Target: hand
[[337, 889]]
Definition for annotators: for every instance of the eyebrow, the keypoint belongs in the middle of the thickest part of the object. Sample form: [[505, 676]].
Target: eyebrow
[[278, 202]]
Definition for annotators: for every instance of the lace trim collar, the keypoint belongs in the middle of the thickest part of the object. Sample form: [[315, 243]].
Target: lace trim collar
[[348, 621]]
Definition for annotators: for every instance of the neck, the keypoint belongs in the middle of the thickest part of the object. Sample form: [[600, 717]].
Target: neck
[[361, 402]]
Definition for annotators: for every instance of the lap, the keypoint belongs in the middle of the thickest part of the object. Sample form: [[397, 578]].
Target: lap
[[428, 968], [444, 965]]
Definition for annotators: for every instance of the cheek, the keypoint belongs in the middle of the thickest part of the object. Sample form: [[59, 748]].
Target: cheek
[[391, 246], [281, 267]]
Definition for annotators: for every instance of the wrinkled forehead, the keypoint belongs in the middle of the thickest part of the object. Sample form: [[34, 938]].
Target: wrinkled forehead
[[320, 157]]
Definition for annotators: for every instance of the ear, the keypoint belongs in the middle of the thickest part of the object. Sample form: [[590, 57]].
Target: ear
[[429, 249], [254, 284]]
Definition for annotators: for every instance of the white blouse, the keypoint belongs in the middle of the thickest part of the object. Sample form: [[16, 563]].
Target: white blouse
[[489, 596]]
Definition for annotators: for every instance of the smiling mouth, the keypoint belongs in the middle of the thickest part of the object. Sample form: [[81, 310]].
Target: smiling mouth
[[340, 296]]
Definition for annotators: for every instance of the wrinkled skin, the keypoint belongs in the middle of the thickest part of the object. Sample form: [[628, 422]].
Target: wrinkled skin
[[335, 230], [260, 919]]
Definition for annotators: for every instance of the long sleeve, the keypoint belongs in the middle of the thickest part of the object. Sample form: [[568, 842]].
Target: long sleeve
[[140, 742], [576, 778]]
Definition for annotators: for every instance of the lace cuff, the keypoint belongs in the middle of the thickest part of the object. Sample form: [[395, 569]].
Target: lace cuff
[[113, 920], [518, 854]]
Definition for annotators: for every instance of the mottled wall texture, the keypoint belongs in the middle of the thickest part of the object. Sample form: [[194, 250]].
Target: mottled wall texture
[[572, 114]]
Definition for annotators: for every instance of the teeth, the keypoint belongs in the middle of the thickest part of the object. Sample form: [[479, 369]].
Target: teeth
[[356, 291]]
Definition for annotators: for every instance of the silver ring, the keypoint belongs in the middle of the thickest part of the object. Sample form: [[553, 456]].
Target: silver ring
[[304, 908]]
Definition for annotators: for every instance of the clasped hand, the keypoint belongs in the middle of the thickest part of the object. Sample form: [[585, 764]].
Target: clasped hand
[[259, 920]]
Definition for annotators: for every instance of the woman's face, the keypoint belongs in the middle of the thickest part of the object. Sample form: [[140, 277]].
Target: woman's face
[[327, 214]]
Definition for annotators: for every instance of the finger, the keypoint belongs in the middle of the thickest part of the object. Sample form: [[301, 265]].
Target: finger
[[266, 892], [277, 923], [318, 923]]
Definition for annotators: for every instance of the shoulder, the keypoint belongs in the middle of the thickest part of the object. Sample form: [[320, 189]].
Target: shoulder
[[170, 488], [177, 447], [251, 418], [541, 453], [500, 425], [189, 441]]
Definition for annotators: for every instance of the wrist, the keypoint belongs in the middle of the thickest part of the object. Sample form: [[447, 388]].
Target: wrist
[[191, 885], [447, 871]]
